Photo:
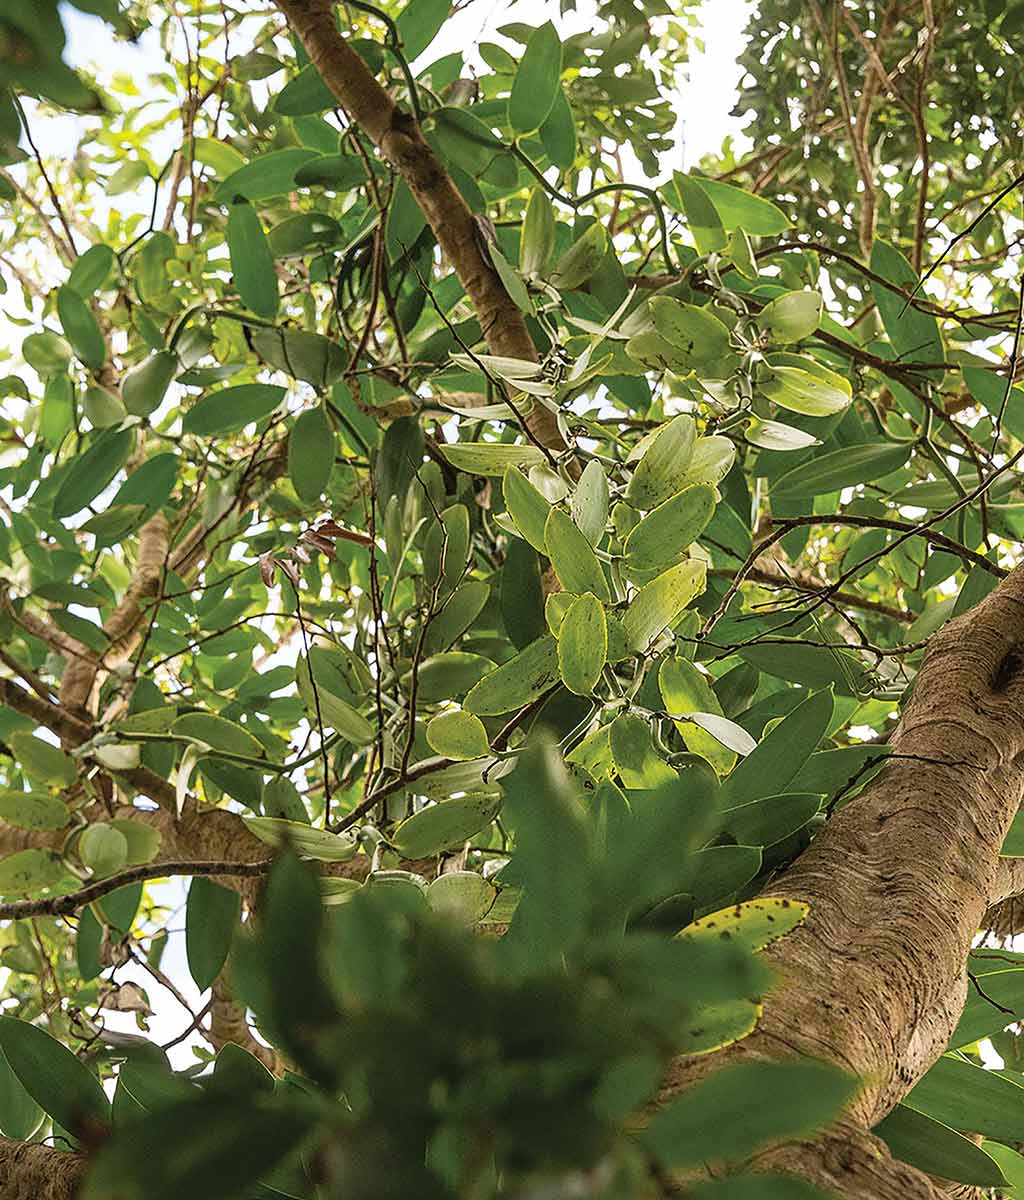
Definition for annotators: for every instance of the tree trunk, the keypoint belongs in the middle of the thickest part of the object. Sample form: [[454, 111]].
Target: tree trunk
[[898, 884]]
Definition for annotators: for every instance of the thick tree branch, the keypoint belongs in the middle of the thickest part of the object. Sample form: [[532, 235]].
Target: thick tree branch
[[398, 138]]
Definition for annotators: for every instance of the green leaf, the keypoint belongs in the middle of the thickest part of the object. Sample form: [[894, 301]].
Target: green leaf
[[537, 236], [738, 209], [446, 549], [41, 760], [718, 871], [419, 22], [753, 924], [791, 317], [303, 838], [699, 336], [91, 270], [46, 352], [81, 328], [59, 1083], [742, 1108], [935, 1148], [305, 232], [127, 177], [773, 435], [781, 753], [466, 141], [458, 613], [446, 676], [843, 468], [589, 502], [581, 260], [914, 334], [637, 762], [552, 857], [685, 690], [145, 385], [702, 217], [558, 133], [218, 734], [212, 914], [32, 810], [573, 557], [231, 409], [817, 666], [458, 735], [405, 222], [981, 1017], [444, 826], [252, 261], [20, 1116], [536, 84], [102, 408], [800, 391], [463, 896], [526, 506], [310, 357], [660, 602], [583, 644], [668, 531], [661, 472], [522, 598], [1009, 1162], [311, 449], [490, 458], [1013, 844], [515, 683], [92, 472], [969, 1098], [765, 822], [305, 93], [268, 175], [29, 871], [103, 849]]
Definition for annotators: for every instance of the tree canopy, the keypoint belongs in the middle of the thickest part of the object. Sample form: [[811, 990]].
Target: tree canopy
[[552, 618]]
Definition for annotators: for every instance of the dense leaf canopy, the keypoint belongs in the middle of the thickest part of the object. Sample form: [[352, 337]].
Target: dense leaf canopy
[[472, 560]]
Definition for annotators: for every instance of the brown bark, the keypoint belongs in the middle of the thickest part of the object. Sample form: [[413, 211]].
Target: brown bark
[[898, 884], [33, 1172], [228, 1024], [81, 675], [398, 138]]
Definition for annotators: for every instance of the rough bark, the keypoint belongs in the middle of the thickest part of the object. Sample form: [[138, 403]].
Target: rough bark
[[33, 1172], [398, 138], [898, 884], [228, 1024]]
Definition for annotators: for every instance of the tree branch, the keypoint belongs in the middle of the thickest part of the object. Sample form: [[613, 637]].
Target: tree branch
[[397, 136]]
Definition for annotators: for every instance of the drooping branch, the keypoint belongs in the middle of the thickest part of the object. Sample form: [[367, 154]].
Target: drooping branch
[[397, 136]]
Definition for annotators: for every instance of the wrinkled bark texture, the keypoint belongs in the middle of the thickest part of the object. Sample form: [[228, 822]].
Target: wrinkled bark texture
[[30, 1172]]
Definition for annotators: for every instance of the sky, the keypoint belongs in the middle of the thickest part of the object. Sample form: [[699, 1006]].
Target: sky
[[706, 97]]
